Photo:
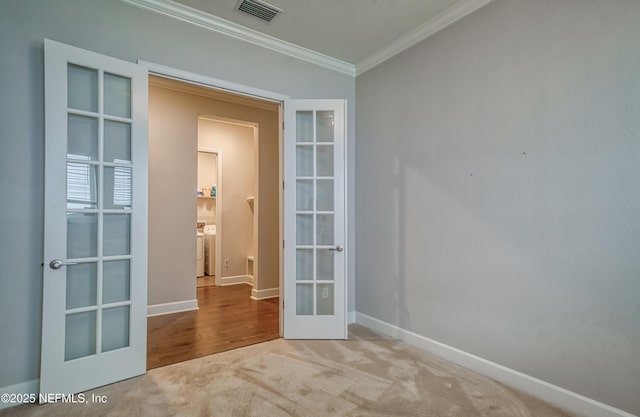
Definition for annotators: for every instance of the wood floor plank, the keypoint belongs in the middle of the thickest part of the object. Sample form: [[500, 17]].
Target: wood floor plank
[[227, 319]]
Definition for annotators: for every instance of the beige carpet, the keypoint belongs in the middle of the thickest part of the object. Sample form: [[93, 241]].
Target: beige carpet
[[368, 375]]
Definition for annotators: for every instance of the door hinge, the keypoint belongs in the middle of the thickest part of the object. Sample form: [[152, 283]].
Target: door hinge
[[283, 125], [283, 244]]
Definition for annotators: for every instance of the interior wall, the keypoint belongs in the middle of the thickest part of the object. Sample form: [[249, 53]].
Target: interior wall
[[238, 182], [207, 178], [116, 29], [498, 178], [173, 136]]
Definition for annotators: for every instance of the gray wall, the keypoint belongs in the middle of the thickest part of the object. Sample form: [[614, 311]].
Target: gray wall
[[116, 29], [498, 191]]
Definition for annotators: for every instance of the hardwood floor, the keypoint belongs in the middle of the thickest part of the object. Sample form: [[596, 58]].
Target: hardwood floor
[[227, 319]]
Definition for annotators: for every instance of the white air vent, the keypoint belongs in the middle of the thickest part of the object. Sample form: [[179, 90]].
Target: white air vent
[[259, 9]]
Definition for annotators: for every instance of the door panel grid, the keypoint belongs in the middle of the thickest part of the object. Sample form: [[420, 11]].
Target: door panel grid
[[315, 276], [94, 294]]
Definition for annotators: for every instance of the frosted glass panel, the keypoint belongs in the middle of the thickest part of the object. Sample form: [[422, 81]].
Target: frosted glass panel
[[82, 235], [324, 229], [117, 142], [116, 281], [324, 300], [324, 265], [117, 232], [82, 138], [304, 126], [304, 264], [304, 160], [117, 95], [82, 88], [324, 126], [304, 229], [324, 155], [115, 328], [117, 187], [80, 335], [304, 195], [82, 285], [325, 195], [304, 299], [82, 186]]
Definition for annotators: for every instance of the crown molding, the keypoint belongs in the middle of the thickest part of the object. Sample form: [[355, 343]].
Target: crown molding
[[439, 22], [226, 27]]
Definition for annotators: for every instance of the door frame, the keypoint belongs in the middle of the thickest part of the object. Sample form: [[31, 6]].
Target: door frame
[[255, 128], [219, 198], [248, 91]]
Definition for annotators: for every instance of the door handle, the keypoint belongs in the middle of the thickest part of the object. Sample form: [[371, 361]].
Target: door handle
[[337, 248], [57, 264]]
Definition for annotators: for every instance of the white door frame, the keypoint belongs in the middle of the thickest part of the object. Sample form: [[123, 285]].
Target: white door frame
[[218, 152], [234, 88]]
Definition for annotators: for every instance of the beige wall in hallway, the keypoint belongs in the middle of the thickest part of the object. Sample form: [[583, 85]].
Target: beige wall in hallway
[[173, 134]]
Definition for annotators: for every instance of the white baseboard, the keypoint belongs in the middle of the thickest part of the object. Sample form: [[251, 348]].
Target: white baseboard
[[29, 387], [236, 279], [264, 294], [169, 308], [351, 317], [550, 393]]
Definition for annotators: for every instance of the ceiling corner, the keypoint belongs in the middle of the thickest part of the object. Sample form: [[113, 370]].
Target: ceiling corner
[[422, 32]]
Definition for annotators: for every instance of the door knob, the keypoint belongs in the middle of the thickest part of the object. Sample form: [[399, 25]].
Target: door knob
[[337, 248], [57, 264]]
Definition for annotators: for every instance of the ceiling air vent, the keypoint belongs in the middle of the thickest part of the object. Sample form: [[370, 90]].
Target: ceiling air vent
[[259, 9]]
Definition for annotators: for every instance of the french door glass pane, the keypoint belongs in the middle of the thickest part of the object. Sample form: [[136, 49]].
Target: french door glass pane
[[82, 88], [324, 126], [324, 265], [116, 281], [304, 229], [82, 138], [117, 142], [117, 234], [304, 160], [117, 95], [325, 195], [304, 195], [304, 126], [304, 299], [324, 159], [304, 264], [324, 299], [82, 186], [115, 328], [82, 235], [80, 335], [82, 285], [324, 228], [117, 187]]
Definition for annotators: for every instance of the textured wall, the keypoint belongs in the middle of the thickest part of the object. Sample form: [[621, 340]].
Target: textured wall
[[498, 191], [116, 29]]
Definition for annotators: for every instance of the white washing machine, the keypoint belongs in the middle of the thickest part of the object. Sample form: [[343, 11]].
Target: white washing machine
[[210, 249], [199, 254]]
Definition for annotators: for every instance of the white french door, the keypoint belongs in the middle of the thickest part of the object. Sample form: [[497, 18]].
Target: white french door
[[95, 240], [315, 255]]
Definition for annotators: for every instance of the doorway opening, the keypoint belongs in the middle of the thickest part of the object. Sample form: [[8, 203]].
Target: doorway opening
[[239, 138]]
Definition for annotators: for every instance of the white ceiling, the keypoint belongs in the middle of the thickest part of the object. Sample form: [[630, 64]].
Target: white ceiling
[[349, 30], [348, 36]]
